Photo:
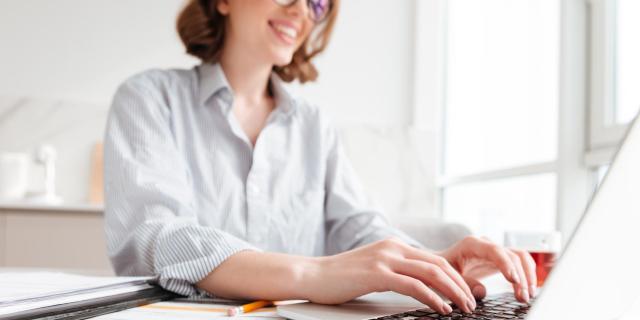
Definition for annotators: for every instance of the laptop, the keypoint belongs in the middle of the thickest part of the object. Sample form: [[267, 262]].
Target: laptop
[[597, 275]]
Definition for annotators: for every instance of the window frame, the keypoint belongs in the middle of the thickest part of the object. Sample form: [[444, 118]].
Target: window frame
[[570, 166], [605, 133]]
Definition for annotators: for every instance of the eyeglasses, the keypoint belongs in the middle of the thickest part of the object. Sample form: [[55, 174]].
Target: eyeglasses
[[318, 9]]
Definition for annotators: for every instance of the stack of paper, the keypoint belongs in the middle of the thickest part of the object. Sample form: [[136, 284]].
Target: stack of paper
[[26, 294]]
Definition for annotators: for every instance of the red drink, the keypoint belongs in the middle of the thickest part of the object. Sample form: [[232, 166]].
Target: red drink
[[544, 263]]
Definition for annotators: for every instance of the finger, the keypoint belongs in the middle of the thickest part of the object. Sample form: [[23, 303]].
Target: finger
[[522, 288], [416, 289], [417, 254], [496, 254], [436, 278], [459, 280], [529, 267], [477, 288]]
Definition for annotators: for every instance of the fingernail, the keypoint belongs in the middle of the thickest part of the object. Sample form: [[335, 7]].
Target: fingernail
[[447, 308], [525, 294], [470, 306], [533, 291], [514, 276]]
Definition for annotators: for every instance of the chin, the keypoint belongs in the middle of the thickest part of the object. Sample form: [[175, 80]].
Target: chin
[[282, 60]]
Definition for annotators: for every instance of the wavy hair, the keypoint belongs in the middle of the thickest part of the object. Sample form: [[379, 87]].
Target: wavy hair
[[202, 30]]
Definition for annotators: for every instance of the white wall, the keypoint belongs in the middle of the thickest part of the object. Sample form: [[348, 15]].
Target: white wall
[[366, 73], [80, 50]]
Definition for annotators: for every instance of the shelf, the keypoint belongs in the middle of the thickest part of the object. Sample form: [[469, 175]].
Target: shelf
[[65, 207]]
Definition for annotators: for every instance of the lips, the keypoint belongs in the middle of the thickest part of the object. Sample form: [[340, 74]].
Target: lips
[[285, 31]]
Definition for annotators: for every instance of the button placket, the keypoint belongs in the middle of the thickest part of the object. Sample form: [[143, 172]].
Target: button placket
[[257, 207], [258, 202]]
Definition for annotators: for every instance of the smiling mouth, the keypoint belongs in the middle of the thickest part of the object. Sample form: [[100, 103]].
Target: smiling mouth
[[286, 33]]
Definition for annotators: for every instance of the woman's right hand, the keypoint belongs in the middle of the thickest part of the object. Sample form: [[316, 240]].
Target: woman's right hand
[[388, 265]]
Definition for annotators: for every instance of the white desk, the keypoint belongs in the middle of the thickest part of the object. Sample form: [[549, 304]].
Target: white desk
[[494, 284], [171, 311]]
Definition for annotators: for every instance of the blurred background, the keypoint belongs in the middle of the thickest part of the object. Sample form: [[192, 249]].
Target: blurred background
[[502, 115]]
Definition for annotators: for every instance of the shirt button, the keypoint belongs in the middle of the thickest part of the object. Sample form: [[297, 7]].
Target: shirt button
[[254, 189]]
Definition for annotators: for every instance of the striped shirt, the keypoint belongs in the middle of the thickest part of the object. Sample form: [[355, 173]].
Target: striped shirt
[[185, 188]]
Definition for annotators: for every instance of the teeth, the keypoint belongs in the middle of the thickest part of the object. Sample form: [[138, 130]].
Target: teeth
[[289, 32]]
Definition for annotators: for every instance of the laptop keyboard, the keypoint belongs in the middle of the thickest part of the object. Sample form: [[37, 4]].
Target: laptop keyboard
[[502, 306]]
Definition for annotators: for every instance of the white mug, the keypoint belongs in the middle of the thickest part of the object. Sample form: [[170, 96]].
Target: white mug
[[14, 177]]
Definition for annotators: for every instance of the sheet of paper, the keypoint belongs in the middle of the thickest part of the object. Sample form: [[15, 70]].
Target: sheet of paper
[[16, 286], [187, 311], [33, 290]]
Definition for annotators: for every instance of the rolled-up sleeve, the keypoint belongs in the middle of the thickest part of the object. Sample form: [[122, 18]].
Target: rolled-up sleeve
[[352, 219], [150, 223]]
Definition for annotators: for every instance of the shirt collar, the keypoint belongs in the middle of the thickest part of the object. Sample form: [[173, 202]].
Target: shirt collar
[[213, 81]]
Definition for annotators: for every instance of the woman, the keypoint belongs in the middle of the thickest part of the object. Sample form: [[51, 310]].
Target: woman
[[220, 182]]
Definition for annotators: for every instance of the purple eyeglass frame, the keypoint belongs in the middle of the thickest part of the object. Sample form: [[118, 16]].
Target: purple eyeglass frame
[[314, 8]]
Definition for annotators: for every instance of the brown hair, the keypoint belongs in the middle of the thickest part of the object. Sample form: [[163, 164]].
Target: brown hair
[[202, 28]]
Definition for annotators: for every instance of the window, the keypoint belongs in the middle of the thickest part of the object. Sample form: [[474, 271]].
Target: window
[[533, 96], [615, 77], [615, 66], [500, 123], [627, 65], [495, 205]]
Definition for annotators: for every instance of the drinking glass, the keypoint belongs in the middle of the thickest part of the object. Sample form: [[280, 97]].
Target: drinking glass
[[543, 247]]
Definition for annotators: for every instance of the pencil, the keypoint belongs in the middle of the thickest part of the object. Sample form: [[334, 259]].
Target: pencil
[[248, 307]]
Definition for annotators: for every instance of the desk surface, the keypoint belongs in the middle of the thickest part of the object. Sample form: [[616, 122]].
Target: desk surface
[[494, 284]]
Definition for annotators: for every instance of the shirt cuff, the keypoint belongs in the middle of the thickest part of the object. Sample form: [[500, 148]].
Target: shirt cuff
[[207, 253]]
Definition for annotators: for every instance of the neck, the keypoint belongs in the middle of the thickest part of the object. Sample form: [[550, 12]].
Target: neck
[[247, 76]]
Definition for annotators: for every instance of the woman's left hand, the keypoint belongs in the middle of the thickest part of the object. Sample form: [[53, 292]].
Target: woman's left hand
[[475, 258]]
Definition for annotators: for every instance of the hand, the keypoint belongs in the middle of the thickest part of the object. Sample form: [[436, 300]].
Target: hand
[[475, 258], [388, 265]]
